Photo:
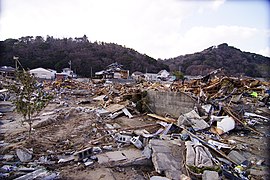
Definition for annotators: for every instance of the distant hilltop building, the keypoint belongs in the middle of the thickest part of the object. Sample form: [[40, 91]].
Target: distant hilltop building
[[66, 73], [69, 73], [137, 75], [113, 71], [163, 75]]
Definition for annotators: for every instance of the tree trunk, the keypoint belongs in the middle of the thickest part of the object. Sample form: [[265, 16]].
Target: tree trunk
[[30, 124]]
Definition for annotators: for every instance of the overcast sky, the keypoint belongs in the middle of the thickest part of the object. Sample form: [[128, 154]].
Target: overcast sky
[[158, 28]]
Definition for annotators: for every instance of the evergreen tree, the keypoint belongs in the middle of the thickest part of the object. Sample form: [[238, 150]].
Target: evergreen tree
[[30, 97]]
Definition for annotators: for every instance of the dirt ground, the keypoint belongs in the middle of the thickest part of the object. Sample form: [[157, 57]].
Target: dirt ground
[[67, 131]]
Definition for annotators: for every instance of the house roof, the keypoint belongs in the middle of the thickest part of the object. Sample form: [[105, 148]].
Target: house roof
[[99, 73], [137, 73], [39, 69], [62, 74], [7, 69], [151, 74], [52, 70], [160, 72]]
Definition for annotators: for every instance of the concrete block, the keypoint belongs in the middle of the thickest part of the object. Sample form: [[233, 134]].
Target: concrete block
[[66, 159], [111, 157], [123, 158], [137, 142], [210, 175], [184, 177], [89, 162], [172, 103], [102, 112], [193, 119], [85, 153], [24, 154], [123, 138], [167, 158], [256, 172], [236, 156], [158, 178]]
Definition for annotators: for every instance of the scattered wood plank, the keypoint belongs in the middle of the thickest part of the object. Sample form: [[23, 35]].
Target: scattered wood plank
[[166, 119]]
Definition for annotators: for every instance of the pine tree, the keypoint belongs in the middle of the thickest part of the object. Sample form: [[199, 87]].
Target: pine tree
[[30, 97]]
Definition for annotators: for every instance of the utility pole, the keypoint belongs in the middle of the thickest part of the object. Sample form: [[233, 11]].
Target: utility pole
[[16, 62], [70, 68], [91, 72], [69, 64]]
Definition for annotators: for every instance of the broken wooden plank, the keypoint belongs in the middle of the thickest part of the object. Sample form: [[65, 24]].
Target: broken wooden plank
[[127, 113], [230, 112], [115, 107], [166, 119]]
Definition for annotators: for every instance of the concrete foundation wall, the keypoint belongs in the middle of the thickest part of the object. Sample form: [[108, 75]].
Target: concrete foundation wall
[[172, 103]]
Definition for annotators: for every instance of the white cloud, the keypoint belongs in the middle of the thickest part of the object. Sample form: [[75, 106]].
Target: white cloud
[[138, 24], [199, 38], [264, 52], [158, 28], [213, 5], [216, 4]]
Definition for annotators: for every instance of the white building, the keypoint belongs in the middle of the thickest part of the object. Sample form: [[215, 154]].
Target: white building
[[42, 73], [69, 72], [163, 74], [137, 75], [151, 76]]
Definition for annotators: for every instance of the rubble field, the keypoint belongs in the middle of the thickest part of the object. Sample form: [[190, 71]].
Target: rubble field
[[207, 128]]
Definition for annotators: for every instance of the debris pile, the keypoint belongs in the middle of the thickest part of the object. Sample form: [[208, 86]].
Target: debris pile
[[217, 128]]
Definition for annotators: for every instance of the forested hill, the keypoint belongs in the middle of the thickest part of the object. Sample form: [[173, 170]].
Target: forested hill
[[55, 53], [234, 61]]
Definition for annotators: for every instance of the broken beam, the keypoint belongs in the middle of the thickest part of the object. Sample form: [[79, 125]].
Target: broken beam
[[168, 120], [229, 112]]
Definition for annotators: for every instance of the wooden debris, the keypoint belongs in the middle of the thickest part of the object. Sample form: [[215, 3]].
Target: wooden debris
[[166, 119]]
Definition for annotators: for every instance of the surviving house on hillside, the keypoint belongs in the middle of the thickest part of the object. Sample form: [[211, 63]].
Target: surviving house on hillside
[[163, 75], [7, 71], [42, 73], [151, 76], [69, 73], [113, 71]]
